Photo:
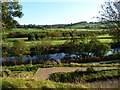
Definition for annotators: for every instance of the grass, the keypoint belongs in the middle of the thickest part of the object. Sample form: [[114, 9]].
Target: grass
[[105, 38], [24, 79], [29, 30], [34, 68], [107, 84], [13, 39], [90, 75], [9, 41], [31, 83], [22, 30]]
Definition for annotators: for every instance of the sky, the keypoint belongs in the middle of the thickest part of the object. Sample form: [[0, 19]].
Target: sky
[[59, 12]]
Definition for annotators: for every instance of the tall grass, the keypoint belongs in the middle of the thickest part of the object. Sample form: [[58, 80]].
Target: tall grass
[[110, 83], [31, 83]]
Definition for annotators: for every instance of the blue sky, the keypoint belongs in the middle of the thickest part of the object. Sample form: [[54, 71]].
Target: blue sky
[[42, 13]]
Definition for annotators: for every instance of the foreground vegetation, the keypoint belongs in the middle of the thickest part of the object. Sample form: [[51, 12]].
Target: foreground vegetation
[[31, 83], [34, 68], [90, 75], [77, 79]]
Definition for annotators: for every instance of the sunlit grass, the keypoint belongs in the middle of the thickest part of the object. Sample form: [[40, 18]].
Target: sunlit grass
[[9, 41], [106, 40], [31, 83]]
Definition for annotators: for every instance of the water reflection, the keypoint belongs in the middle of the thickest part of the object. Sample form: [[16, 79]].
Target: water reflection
[[57, 56]]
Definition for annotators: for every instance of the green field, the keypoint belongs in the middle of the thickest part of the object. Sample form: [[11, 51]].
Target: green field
[[29, 30], [105, 38], [23, 30], [9, 41]]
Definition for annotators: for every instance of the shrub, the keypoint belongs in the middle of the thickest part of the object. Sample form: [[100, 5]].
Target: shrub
[[90, 59], [16, 35], [90, 69], [84, 76], [6, 72], [31, 37]]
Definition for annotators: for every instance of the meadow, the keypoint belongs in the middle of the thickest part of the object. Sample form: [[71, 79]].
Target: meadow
[[105, 38]]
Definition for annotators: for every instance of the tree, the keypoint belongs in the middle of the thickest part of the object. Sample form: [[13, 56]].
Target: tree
[[41, 48], [110, 16], [19, 48], [10, 10], [98, 48], [5, 50]]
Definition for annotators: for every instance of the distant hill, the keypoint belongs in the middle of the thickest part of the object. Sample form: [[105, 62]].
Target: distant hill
[[78, 25]]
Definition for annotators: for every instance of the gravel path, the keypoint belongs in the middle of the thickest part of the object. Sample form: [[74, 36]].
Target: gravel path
[[43, 73]]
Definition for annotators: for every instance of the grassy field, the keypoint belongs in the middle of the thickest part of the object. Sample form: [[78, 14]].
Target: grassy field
[[23, 30], [30, 30], [105, 38], [9, 41]]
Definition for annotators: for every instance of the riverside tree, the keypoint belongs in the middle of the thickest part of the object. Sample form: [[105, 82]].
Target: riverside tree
[[19, 50], [110, 16]]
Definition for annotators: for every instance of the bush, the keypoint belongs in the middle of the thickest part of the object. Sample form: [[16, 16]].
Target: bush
[[31, 37], [6, 72], [84, 76], [16, 35], [90, 69], [90, 59], [115, 56]]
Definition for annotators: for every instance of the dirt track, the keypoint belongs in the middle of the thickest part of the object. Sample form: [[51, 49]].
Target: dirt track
[[43, 73]]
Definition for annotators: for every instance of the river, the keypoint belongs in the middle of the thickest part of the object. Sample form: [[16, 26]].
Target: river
[[58, 56]]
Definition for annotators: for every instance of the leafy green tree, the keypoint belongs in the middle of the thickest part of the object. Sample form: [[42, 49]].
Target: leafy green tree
[[54, 34], [31, 37], [98, 48], [19, 48], [41, 48], [110, 16], [5, 50], [10, 10], [86, 45]]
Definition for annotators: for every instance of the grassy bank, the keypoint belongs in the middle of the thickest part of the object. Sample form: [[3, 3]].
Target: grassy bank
[[34, 68], [31, 83], [90, 75]]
